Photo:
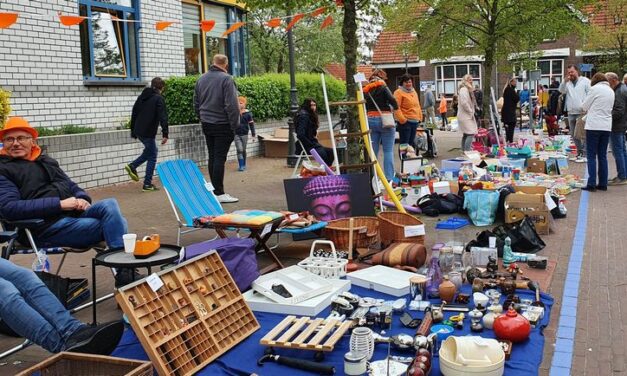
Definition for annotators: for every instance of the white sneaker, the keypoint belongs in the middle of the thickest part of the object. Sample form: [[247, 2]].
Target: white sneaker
[[227, 198], [572, 159], [581, 160]]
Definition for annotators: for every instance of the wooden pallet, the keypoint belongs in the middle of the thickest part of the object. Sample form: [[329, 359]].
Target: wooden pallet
[[305, 333], [196, 316]]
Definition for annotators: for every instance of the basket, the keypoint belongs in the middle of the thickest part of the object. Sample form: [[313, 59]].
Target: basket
[[325, 267], [74, 364], [365, 232], [393, 228]]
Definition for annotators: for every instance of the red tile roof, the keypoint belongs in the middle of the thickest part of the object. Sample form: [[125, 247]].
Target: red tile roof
[[338, 70], [388, 48]]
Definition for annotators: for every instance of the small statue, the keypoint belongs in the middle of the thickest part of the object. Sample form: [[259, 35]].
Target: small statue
[[508, 254], [514, 270], [492, 266]]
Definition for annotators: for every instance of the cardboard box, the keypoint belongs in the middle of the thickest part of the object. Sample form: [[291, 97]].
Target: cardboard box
[[275, 145], [530, 202], [536, 165]]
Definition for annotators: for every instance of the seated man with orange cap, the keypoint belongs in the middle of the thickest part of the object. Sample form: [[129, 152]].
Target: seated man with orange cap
[[32, 185]]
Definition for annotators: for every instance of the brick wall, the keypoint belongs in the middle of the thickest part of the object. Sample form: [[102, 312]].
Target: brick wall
[[98, 159]]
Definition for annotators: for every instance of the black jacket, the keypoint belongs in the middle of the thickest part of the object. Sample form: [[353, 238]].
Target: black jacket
[[384, 98], [619, 111], [554, 97], [510, 100], [148, 112], [215, 99], [306, 131], [246, 124]]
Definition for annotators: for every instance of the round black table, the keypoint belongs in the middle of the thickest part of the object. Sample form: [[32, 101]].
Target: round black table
[[120, 259]]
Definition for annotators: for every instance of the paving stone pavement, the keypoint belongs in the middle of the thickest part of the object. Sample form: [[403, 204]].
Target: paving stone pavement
[[599, 338]]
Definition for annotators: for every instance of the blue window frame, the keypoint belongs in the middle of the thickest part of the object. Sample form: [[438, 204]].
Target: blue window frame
[[237, 44], [109, 44]]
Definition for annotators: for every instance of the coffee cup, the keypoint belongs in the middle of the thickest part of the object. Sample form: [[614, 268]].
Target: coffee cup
[[129, 242]]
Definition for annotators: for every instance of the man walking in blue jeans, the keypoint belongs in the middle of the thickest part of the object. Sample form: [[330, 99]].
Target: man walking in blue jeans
[[217, 107], [148, 112], [576, 88], [619, 127]]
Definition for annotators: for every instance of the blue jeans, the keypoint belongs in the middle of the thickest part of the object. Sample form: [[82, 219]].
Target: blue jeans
[[407, 132], [596, 149], [384, 136], [149, 155], [103, 220], [31, 310], [620, 155], [572, 120]]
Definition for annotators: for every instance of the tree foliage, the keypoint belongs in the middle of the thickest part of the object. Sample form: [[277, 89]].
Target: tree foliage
[[609, 38], [491, 28], [5, 106]]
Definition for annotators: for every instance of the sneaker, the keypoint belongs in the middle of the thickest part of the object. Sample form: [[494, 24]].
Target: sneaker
[[149, 188], [601, 187], [621, 182], [572, 159], [132, 172], [614, 181], [227, 198], [581, 160], [589, 188], [100, 340]]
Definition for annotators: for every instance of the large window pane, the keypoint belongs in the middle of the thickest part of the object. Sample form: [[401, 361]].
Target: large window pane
[[449, 71], [557, 67], [191, 39], [108, 55], [474, 70], [544, 66], [461, 70], [449, 87]]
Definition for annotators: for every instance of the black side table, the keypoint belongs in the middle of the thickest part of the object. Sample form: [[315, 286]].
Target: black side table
[[120, 259]]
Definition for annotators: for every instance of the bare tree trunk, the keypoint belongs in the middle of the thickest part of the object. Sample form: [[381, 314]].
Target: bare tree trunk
[[349, 35]]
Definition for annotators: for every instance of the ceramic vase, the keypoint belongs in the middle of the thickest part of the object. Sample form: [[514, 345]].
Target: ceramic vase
[[512, 326], [447, 290]]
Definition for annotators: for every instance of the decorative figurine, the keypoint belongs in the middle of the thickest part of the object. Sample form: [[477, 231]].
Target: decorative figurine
[[438, 312], [508, 256], [514, 270], [475, 320], [492, 267], [187, 281], [202, 289], [472, 273], [132, 300]]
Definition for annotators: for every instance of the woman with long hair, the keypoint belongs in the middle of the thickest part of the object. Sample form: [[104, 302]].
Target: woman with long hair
[[307, 124], [380, 102], [508, 112], [466, 112], [598, 107]]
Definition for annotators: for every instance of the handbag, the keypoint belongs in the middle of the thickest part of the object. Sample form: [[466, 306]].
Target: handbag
[[403, 254], [481, 206], [387, 119]]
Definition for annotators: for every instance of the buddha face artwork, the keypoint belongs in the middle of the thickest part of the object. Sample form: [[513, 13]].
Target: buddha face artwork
[[329, 197]]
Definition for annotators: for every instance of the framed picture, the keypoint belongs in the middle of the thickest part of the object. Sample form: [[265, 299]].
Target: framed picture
[[411, 165]]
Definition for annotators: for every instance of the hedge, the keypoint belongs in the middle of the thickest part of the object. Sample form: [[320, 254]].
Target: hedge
[[268, 95]]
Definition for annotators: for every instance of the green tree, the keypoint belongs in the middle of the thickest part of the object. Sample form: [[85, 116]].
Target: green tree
[[610, 37], [5, 106], [491, 28]]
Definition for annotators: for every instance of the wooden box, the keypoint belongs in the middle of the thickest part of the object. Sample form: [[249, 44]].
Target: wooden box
[[194, 317], [536, 165], [74, 364]]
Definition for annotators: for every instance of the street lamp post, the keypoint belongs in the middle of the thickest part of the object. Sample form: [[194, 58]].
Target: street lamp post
[[291, 159]]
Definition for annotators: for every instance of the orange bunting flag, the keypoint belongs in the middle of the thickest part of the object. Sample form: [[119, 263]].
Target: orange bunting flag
[[70, 20], [275, 22], [7, 19], [207, 25], [339, 3], [327, 22], [295, 19], [233, 27], [162, 25], [318, 11]]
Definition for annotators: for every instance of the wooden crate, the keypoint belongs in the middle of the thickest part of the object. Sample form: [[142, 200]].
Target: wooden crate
[[74, 364], [196, 316]]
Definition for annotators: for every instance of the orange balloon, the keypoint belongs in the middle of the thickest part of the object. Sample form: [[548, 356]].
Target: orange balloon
[[318, 11], [295, 19], [207, 25], [233, 27], [327, 22], [275, 22], [7, 19], [70, 20], [162, 25]]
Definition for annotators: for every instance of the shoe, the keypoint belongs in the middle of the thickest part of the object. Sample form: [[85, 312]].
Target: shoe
[[132, 172], [572, 159], [589, 188], [621, 182], [149, 188], [581, 160], [601, 187], [614, 181], [125, 276], [242, 165], [227, 198], [100, 340]]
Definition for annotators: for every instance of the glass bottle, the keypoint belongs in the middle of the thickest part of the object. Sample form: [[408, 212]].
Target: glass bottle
[[434, 278]]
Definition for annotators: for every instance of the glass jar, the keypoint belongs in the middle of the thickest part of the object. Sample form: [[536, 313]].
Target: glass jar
[[446, 259], [434, 278]]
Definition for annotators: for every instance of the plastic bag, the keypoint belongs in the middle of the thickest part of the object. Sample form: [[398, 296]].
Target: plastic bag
[[481, 206]]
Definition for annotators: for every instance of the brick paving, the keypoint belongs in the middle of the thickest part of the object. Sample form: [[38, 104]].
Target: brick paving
[[599, 339]]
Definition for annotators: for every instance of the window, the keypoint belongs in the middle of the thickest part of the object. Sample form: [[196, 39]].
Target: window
[[191, 39], [109, 48], [214, 42], [549, 68], [448, 77]]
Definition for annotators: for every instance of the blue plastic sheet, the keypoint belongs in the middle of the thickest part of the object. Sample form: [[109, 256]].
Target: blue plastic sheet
[[242, 359]]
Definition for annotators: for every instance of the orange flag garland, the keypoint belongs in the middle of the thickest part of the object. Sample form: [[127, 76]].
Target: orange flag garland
[[295, 19], [328, 21], [275, 22], [7, 19], [207, 25], [162, 25], [233, 27], [70, 20], [318, 11]]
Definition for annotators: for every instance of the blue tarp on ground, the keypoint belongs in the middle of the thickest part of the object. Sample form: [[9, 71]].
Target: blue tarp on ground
[[242, 359]]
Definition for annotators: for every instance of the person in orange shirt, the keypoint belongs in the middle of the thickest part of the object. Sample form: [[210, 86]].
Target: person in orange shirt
[[409, 112], [443, 111]]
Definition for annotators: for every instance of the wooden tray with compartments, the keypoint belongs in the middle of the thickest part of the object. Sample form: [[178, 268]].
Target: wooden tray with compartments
[[195, 316], [305, 333]]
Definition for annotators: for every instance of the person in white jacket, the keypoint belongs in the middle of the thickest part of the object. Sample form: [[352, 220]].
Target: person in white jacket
[[466, 112], [598, 107], [576, 89]]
